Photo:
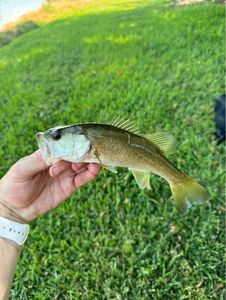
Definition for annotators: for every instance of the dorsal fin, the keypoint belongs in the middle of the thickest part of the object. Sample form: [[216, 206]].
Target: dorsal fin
[[164, 141], [126, 124]]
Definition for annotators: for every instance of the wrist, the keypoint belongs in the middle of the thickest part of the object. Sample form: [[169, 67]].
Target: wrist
[[13, 231], [11, 244], [9, 213]]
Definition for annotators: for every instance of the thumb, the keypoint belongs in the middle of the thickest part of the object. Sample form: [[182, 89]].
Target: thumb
[[28, 166]]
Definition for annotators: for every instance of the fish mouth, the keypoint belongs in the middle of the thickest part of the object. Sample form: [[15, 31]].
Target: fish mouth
[[39, 136], [44, 146], [68, 150]]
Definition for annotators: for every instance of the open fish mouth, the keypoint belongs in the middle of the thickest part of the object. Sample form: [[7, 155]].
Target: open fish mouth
[[44, 146]]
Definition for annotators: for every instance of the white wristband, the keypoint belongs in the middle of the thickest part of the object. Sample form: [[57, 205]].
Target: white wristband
[[13, 231]]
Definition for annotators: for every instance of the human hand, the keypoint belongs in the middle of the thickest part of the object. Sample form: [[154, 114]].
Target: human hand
[[31, 187]]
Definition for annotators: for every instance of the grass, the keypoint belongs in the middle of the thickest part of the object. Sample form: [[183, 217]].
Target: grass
[[7, 36], [162, 66]]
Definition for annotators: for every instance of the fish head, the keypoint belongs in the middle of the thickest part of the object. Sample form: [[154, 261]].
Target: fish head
[[63, 143]]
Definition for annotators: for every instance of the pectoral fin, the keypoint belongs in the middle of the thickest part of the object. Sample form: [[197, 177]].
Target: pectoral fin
[[109, 168], [142, 179]]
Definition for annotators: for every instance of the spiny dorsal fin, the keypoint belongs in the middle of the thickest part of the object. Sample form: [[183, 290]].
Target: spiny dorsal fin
[[126, 124], [164, 141], [142, 179]]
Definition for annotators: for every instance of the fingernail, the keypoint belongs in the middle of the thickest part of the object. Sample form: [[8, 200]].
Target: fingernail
[[52, 172]]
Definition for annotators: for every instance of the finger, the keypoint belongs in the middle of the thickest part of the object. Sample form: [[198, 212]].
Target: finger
[[78, 167], [59, 168], [64, 184], [29, 166], [87, 175]]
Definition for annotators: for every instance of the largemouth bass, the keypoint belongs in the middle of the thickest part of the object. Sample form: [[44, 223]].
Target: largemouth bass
[[121, 145]]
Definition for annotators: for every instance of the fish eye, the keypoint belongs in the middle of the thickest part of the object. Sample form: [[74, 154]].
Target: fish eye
[[56, 135]]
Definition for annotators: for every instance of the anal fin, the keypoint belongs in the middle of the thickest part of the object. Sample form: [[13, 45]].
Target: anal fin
[[142, 179]]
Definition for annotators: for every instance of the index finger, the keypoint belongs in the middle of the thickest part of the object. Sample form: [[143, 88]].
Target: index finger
[[78, 167], [87, 175]]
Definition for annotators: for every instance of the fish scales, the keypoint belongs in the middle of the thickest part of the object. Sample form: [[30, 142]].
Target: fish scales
[[129, 150], [119, 145]]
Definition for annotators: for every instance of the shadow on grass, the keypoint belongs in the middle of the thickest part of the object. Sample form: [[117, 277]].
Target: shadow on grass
[[8, 36]]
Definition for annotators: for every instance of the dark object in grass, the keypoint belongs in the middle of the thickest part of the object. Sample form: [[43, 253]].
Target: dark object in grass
[[220, 118]]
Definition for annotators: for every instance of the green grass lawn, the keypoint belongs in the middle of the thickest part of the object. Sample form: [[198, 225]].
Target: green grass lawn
[[161, 66]]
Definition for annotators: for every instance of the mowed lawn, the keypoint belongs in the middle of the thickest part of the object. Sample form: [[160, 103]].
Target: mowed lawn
[[162, 66]]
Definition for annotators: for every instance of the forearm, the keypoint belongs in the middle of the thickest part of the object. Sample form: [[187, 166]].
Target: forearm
[[9, 255]]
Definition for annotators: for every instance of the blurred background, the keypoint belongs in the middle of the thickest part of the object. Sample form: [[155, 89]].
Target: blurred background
[[159, 63], [11, 10]]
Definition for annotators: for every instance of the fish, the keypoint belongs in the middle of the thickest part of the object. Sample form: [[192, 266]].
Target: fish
[[120, 144]]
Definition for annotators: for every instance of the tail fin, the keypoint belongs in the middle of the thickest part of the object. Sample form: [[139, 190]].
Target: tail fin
[[188, 192]]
